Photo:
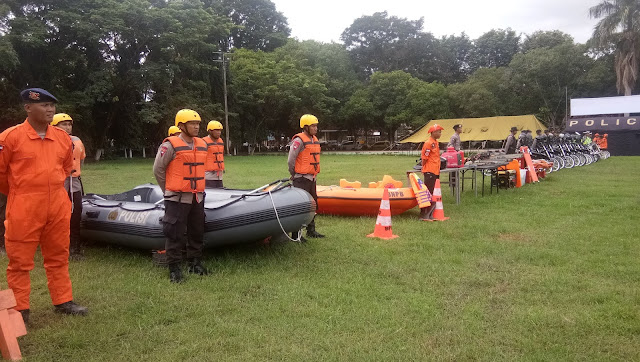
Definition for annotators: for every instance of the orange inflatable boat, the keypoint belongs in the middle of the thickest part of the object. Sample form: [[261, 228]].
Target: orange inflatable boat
[[350, 198]]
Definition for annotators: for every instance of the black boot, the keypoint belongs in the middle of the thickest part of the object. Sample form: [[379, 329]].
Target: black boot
[[196, 267], [71, 308], [425, 215], [314, 234], [76, 253], [175, 274], [296, 234], [25, 315]]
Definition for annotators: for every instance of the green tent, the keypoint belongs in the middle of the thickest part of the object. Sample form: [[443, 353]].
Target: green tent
[[478, 129]]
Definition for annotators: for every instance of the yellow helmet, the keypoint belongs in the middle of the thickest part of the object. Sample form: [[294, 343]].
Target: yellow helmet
[[307, 120], [187, 115], [214, 125], [60, 117], [173, 130]]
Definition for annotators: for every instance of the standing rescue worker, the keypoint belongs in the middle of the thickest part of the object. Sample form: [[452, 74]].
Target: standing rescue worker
[[73, 185], [179, 170], [454, 141], [604, 142], [214, 167], [35, 160], [173, 131], [510, 142], [597, 139], [304, 165], [430, 157]]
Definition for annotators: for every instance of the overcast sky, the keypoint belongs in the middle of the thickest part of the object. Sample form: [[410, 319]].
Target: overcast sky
[[325, 20]]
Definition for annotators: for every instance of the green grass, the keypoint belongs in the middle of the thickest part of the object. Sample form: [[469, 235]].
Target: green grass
[[546, 272]]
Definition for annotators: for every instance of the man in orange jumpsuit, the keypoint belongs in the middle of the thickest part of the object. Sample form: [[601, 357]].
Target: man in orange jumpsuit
[[35, 159], [73, 185], [430, 156]]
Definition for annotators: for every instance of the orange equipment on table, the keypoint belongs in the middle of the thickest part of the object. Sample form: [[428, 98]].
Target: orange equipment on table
[[531, 175], [351, 199]]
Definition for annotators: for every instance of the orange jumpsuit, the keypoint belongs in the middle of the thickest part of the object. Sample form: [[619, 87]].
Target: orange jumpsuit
[[32, 173]]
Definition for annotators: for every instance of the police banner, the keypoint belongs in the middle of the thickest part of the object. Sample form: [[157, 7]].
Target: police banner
[[603, 124]]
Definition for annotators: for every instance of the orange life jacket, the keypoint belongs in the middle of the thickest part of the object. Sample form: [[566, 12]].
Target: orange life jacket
[[78, 155], [186, 171], [215, 154], [604, 143], [308, 161]]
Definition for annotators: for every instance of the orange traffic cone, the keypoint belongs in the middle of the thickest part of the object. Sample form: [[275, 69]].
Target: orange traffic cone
[[383, 222], [438, 213]]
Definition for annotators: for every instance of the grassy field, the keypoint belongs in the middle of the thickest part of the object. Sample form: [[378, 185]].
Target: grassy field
[[550, 271]]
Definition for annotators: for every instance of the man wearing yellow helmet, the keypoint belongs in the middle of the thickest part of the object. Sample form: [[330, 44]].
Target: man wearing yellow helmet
[[73, 185], [304, 164], [183, 189], [173, 131], [214, 167]]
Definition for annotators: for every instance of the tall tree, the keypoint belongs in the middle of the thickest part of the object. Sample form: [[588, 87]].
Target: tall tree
[[373, 40], [122, 68], [545, 39], [494, 48], [258, 25], [334, 62], [620, 26], [271, 90], [541, 77], [455, 58], [398, 98]]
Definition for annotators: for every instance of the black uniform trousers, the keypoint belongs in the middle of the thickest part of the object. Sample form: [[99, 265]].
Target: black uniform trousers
[[310, 187], [75, 245], [179, 218], [430, 182]]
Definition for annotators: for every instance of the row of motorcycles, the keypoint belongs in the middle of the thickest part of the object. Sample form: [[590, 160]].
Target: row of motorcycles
[[566, 151]]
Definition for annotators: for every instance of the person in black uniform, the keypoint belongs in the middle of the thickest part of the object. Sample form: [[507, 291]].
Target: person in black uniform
[[304, 164]]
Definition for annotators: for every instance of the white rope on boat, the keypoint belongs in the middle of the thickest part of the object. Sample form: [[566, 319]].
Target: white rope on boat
[[280, 223]]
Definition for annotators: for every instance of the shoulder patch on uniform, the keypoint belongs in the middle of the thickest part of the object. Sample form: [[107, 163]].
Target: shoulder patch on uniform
[[296, 144], [163, 150], [6, 132]]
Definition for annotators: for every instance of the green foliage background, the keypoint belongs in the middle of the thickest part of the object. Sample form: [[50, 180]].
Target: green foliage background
[[123, 68]]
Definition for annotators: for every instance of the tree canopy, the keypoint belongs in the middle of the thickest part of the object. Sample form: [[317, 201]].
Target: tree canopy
[[123, 68]]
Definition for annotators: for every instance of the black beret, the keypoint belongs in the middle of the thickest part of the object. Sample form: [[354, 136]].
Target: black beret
[[514, 128], [455, 127], [37, 95]]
